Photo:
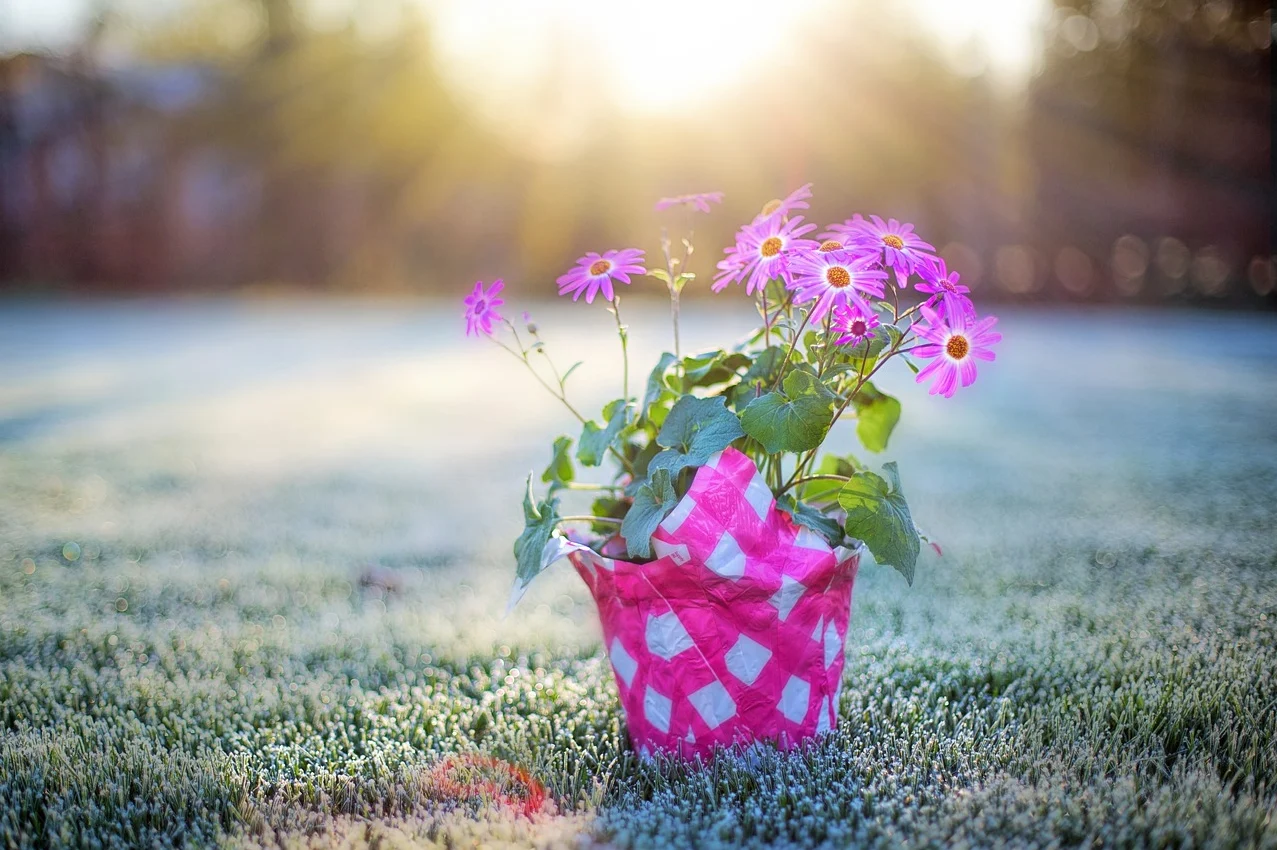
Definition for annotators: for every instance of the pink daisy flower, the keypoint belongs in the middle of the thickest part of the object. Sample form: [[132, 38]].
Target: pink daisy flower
[[481, 308], [595, 273], [729, 268], [956, 342], [763, 251], [835, 277], [697, 200], [903, 251], [853, 326], [778, 208], [945, 290]]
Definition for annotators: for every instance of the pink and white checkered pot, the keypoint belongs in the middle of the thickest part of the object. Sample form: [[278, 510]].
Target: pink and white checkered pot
[[735, 632]]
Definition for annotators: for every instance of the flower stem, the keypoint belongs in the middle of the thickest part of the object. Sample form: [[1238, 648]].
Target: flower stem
[[607, 519], [794, 482], [678, 354], [581, 485], [793, 343], [767, 321], [561, 394], [625, 350]]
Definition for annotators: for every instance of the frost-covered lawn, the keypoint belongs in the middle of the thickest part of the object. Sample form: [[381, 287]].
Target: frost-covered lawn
[[187, 654]]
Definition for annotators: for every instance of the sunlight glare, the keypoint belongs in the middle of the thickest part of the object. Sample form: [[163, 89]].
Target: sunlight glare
[[998, 36], [558, 64]]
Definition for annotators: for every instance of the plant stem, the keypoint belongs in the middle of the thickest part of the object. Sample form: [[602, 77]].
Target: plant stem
[[674, 292], [792, 344], [522, 357], [581, 485], [625, 349], [830, 349], [794, 482], [678, 354], [861, 378], [561, 395], [767, 321], [607, 519]]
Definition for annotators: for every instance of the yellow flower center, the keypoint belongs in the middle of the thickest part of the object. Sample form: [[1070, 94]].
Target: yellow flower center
[[771, 206], [837, 276], [600, 267], [830, 245], [957, 347], [771, 246], [893, 241]]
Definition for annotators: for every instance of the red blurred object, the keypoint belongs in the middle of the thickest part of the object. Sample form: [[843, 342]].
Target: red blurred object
[[489, 778]]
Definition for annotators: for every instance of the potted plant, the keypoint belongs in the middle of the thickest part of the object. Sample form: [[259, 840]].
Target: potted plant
[[722, 546]]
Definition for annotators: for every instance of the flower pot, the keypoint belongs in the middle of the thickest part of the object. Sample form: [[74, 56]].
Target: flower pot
[[735, 633]]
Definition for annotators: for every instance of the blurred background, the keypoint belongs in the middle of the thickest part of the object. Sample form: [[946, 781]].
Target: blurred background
[[1115, 151]]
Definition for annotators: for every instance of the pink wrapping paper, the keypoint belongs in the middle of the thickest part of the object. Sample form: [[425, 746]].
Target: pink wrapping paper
[[735, 633]]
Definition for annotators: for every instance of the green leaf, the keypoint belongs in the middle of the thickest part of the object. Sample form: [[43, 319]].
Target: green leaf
[[695, 429], [821, 492], [569, 372], [539, 520], [812, 518], [683, 280], [660, 274], [656, 381], [876, 416], [560, 468], [607, 506], [776, 294], [867, 349], [653, 501], [878, 514], [761, 374], [712, 367], [596, 438], [795, 420]]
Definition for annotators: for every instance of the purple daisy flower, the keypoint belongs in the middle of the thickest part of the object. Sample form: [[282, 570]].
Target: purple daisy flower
[[697, 200], [853, 326], [481, 308], [835, 277], [729, 268], [595, 272], [903, 251], [764, 251], [955, 342], [778, 208], [945, 290]]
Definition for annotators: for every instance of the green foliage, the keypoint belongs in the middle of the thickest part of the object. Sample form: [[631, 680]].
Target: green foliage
[[795, 420], [823, 491], [539, 519], [560, 468], [712, 367], [608, 507], [695, 429], [657, 386], [761, 374], [653, 501], [876, 416], [868, 348], [878, 514], [596, 439], [812, 518]]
